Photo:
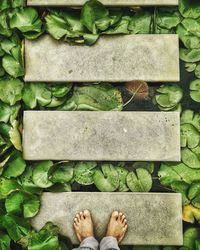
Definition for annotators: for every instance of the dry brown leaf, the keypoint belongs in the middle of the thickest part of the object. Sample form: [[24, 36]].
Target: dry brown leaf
[[139, 89]]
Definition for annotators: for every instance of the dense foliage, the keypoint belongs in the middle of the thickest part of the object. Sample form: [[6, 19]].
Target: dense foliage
[[22, 182]]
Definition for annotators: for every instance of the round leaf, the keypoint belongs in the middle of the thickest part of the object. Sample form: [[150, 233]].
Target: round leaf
[[139, 181], [36, 93], [84, 171], [15, 165], [106, 179], [194, 194], [190, 136], [169, 95], [11, 91], [195, 90], [190, 158], [21, 203], [122, 172], [41, 174], [63, 173]]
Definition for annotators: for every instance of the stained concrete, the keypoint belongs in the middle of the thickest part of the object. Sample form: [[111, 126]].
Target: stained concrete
[[109, 136], [153, 218], [105, 2], [152, 58]]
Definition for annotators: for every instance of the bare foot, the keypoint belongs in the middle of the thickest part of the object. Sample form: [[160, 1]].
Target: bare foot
[[83, 225], [117, 226]]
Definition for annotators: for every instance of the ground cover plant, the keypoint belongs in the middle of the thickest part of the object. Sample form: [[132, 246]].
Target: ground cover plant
[[22, 182]]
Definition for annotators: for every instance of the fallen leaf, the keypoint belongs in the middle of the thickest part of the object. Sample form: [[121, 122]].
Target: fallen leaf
[[191, 213], [139, 89]]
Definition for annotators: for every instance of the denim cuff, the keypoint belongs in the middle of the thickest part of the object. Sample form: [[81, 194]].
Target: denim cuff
[[89, 242], [109, 242]]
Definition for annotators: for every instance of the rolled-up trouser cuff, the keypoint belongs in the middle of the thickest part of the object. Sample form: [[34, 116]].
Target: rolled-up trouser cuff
[[109, 242], [89, 242]]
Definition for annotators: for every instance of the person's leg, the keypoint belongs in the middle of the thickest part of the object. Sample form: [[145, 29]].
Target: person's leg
[[116, 231], [83, 227]]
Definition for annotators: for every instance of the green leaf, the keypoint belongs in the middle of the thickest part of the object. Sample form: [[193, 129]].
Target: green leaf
[[189, 8], [95, 98], [41, 174], [25, 20], [84, 171], [12, 66], [139, 181], [18, 3], [56, 26], [141, 23], [166, 19], [59, 89], [181, 187], [194, 194], [196, 151], [4, 241], [195, 90], [25, 180], [59, 187], [106, 179], [36, 93], [122, 27], [190, 67], [197, 71], [22, 203], [15, 226], [190, 136], [11, 90], [190, 55], [8, 113], [149, 166], [169, 95], [92, 12], [7, 186], [122, 173], [169, 248], [45, 239], [188, 116], [146, 248], [192, 26], [15, 165], [4, 4], [170, 172], [190, 236], [190, 158], [62, 173], [4, 25]]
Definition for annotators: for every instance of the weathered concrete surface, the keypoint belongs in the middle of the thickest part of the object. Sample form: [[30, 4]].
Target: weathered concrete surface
[[105, 2], [115, 136], [152, 58], [153, 218]]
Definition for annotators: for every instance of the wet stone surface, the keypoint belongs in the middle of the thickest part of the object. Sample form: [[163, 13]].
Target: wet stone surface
[[111, 59], [105, 2], [153, 218], [101, 136]]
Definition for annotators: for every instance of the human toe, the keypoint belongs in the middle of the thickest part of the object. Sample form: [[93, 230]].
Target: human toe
[[115, 215]]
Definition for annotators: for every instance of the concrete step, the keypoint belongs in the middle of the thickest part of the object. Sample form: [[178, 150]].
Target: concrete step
[[152, 58], [105, 2], [153, 218], [109, 136]]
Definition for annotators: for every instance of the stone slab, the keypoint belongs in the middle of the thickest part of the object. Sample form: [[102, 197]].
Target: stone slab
[[105, 2], [152, 58], [153, 218], [109, 136]]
